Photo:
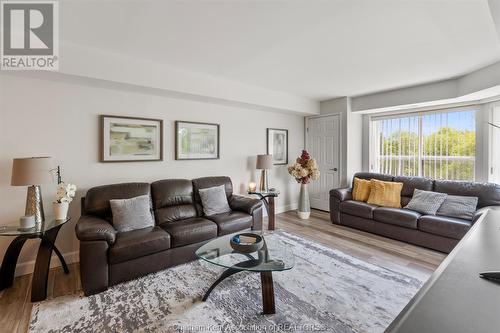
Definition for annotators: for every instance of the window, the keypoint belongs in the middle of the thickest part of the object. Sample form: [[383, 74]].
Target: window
[[439, 145]]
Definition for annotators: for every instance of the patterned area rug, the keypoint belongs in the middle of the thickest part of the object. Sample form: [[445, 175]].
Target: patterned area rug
[[327, 290]]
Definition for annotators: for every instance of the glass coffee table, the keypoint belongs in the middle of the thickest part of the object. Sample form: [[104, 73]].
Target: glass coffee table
[[272, 257]]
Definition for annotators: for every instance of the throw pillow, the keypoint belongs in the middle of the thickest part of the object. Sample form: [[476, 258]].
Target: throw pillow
[[131, 214], [458, 206], [385, 194], [426, 202], [361, 189], [214, 200]]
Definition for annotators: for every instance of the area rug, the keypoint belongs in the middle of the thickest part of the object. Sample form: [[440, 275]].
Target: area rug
[[327, 290]]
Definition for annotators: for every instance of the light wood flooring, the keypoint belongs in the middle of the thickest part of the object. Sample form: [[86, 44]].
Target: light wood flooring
[[15, 305]]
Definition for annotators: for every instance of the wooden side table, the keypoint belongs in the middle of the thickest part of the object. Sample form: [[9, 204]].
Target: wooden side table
[[268, 199], [47, 232]]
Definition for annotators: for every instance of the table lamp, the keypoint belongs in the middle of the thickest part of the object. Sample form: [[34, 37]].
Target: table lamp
[[264, 163], [32, 172]]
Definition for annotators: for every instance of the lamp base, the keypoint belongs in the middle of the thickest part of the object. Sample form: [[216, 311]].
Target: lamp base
[[34, 204], [264, 182]]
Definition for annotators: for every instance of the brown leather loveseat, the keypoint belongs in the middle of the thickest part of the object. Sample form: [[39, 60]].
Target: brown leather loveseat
[[108, 257], [440, 233]]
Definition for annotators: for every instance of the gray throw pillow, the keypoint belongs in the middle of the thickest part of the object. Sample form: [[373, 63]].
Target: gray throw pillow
[[131, 214], [214, 200], [426, 202], [459, 206]]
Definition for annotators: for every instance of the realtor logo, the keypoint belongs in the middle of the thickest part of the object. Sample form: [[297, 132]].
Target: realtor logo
[[30, 36]]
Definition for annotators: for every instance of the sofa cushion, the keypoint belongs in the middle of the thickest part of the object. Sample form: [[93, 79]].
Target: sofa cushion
[[361, 189], [372, 175], [357, 208], [444, 226], [396, 216], [230, 222], [206, 182], [214, 200], [458, 206], [426, 202], [97, 198], [190, 231], [386, 194], [487, 193], [173, 200], [410, 184], [132, 214], [138, 243]]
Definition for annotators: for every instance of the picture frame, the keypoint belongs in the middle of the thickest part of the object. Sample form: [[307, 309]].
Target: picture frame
[[130, 139], [277, 145], [197, 141]]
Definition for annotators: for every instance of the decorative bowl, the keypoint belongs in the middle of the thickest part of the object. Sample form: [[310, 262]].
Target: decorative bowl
[[246, 242]]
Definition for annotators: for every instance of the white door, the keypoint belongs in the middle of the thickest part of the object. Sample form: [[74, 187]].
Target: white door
[[323, 134]]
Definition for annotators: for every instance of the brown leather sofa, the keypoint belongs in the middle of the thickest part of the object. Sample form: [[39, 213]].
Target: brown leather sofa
[[440, 233], [108, 257]]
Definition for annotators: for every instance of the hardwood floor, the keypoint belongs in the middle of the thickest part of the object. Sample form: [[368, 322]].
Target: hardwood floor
[[15, 305]]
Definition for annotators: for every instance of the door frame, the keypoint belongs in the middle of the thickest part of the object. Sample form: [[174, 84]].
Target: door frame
[[341, 138]]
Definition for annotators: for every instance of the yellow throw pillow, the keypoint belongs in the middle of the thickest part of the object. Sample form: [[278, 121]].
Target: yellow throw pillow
[[361, 189], [385, 194]]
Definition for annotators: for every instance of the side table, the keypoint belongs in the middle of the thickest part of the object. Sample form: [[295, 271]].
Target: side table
[[268, 199], [47, 232]]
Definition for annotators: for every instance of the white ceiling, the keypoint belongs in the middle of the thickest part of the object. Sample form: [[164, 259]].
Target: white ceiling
[[317, 49]]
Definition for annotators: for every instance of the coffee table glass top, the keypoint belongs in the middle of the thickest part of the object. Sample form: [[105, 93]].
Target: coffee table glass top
[[273, 256], [14, 230]]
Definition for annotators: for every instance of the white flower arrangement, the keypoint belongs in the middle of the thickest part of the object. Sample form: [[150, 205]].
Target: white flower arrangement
[[65, 192]]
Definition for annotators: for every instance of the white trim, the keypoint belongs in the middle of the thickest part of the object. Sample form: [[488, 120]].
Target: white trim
[[28, 267], [410, 113]]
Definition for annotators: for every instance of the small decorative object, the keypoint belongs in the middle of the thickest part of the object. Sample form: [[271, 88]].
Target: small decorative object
[[65, 194], [196, 141], [26, 222], [252, 187], [32, 172], [277, 145], [128, 139], [304, 170], [246, 242], [264, 163]]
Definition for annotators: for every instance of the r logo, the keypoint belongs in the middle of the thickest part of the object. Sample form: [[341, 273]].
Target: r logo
[[28, 28]]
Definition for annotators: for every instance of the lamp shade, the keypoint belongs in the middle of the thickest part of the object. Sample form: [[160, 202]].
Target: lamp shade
[[31, 171], [264, 162]]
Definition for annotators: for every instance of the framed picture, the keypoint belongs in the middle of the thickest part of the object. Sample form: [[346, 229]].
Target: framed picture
[[196, 141], [277, 145], [129, 139]]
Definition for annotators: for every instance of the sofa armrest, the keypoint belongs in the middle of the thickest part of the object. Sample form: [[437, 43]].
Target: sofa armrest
[[244, 204], [342, 194], [91, 228], [483, 210]]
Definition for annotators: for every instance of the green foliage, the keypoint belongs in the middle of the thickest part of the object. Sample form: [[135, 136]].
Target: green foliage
[[446, 142]]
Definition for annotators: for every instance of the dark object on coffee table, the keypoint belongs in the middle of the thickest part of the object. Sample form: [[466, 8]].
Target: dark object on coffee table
[[246, 242]]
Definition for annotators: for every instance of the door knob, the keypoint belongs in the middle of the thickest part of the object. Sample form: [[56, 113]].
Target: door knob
[[334, 169]]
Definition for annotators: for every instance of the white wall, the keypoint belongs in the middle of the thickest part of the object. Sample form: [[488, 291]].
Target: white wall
[[58, 116], [351, 137]]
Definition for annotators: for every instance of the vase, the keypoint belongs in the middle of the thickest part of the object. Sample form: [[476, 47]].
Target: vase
[[60, 210], [304, 205]]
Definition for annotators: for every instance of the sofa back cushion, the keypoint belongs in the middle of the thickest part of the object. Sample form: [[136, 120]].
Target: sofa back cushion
[[488, 194], [207, 182], [173, 200], [410, 184], [371, 175], [97, 198]]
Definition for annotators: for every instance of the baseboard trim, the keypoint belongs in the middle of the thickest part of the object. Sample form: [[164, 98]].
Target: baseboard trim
[[28, 267]]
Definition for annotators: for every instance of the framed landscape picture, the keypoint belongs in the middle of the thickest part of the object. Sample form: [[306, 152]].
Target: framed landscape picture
[[277, 145], [196, 141], [129, 139]]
